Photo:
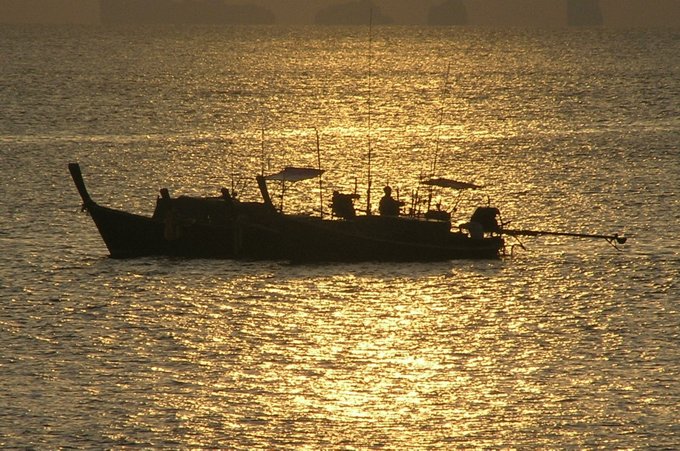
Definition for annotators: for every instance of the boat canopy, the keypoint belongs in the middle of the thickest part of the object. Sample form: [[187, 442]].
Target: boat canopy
[[293, 174], [449, 183]]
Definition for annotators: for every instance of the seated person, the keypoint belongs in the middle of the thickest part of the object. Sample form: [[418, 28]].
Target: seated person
[[388, 205]]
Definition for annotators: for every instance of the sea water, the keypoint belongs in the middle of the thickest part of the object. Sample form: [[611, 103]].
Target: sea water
[[566, 343]]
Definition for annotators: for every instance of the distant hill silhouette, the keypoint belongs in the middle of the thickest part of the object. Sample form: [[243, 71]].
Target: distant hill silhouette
[[503, 13], [183, 11], [584, 13], [351, 13], [450, 12]]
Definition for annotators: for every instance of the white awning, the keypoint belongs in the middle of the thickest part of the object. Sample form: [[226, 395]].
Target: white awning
[[293, 174], [450, 183]]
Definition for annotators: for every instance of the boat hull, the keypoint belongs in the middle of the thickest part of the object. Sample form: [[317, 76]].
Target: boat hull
[[128, 235]]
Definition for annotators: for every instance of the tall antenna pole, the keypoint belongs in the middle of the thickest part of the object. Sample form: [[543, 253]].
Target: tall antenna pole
[[441, 120], [370, 149], [433, 169], [318, 159], [262, 154], [231, 158]]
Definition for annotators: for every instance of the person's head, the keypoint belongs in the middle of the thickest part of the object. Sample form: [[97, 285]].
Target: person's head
[[388, 191]]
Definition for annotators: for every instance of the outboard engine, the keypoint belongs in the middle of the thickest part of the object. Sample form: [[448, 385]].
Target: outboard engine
[[343, 205], [486, 217]]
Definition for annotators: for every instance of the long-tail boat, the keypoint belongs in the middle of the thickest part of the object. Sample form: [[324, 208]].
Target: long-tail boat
[[224, 227]]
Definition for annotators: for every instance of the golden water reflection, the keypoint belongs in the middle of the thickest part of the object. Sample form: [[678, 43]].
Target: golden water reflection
[[569, 344], [435, 359]]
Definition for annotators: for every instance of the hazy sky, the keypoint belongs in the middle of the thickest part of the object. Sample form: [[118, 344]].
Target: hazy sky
[[619, 13]]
